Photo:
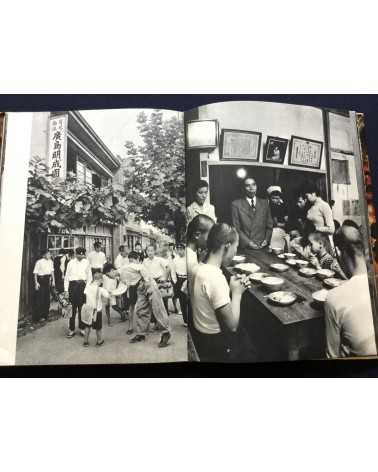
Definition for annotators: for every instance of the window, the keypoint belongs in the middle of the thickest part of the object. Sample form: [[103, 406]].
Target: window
[[340, 172], [80, 171], [96, 180]]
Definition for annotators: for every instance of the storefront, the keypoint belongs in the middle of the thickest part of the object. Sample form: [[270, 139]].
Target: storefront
[[277, 144]]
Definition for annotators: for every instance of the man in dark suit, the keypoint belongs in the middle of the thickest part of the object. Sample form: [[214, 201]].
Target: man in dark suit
[[252, 218]]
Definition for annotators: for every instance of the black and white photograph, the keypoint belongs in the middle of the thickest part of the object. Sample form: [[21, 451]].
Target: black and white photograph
[[278, 250], [275, 150], [104, 242]]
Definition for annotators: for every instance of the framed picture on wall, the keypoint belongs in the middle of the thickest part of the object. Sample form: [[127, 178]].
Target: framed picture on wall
[[305, 152], [275, 150], [240, 145]]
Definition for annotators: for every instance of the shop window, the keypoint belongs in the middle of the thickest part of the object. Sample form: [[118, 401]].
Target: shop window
[[96, 180], [71, 162]]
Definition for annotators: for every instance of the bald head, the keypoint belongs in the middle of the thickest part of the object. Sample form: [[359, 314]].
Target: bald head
[[349, 242]]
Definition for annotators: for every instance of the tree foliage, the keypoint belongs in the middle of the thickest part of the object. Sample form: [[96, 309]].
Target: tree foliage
[[155, 173], [55, 204]]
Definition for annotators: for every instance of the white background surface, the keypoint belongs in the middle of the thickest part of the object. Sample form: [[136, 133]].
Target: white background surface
[[172, 424]]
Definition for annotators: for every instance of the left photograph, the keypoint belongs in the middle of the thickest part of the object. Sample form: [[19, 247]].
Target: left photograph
[[104, 244]]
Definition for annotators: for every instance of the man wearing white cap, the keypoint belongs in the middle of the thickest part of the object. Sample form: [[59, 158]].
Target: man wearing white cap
[[280, 216]]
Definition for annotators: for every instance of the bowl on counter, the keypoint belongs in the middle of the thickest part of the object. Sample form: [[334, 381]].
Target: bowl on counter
[[282, 298], [279, 267], [300, 263], [247, 267], [324, 274], [277, 250], [291, 262], [272, 284], [320, 296], [238, 259], [257, 276], [290, 255], [307, 271], [332, 282]]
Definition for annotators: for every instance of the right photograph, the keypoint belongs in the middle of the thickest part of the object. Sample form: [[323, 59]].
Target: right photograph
[[280, 234]]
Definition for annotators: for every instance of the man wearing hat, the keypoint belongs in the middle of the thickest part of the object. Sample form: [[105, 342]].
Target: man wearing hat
[[280, 216], [78, 274], [252, 218]]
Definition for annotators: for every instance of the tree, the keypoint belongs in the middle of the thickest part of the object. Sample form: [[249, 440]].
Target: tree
[[155, 173], [55, 204]]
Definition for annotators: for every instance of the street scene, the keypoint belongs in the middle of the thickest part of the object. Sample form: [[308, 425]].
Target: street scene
[[104, 244]]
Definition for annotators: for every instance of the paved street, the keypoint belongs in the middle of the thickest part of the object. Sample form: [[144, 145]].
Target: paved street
[[48, 345]]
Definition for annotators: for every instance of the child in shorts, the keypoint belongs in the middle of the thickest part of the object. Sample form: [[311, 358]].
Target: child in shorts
[[94, 298], [110, 282]]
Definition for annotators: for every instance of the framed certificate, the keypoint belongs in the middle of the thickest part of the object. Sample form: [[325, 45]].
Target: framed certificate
[[305, 152], [240, 145]]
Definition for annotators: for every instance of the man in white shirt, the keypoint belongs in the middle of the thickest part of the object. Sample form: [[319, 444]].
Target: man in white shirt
[[78, 274], [348, 308], [122, 258], [43, 279], [97, 258]]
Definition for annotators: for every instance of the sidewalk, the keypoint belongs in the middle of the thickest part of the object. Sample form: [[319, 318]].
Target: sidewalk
[[48, 345]]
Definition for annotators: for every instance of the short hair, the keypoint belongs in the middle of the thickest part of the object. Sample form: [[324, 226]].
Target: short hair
[[97, 276], [97, 244], [180, 246], [133, 255], [220, 234], [70, 252], [309, 187], [351, 223], [349, 240], [138, 244], [121, 248], [80, 251], [321, 238], [199, 223], [200, 184], [249, 177], [108, 267]]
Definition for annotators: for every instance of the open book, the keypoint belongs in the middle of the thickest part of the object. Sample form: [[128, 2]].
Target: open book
[[234, 232]]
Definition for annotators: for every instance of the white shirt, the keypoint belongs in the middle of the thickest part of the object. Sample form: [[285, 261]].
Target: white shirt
[[156, 267], [43, 267], [179, 264], [77, 270], [349, 319], [96, 259], [194, 209], [120, 261], [92, 296], [191, 264], [110, 284], [249, 200], [210, 291], [132, 273]]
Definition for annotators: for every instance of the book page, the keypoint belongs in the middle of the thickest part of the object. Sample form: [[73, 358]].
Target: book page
[[93, 214], [278, 237]]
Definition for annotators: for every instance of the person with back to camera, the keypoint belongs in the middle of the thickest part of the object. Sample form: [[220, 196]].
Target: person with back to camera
[[348, 308], [251, 216], [215, 314]]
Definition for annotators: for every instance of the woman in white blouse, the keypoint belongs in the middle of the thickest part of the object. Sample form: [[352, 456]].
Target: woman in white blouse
[[319, 213]]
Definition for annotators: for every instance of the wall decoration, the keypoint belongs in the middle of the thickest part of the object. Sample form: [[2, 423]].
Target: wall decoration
[[240, 145], [305, 152], [275, 150]]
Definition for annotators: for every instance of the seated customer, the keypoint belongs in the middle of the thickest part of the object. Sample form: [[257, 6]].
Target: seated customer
[[216, 314], [299, 242], [321, 257], [348, 312]]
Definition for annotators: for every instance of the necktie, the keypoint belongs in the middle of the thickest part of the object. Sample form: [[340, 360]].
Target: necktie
[[253, 204]]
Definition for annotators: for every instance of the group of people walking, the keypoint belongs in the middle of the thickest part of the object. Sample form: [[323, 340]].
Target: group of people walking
[[138, 286], [262, 224]]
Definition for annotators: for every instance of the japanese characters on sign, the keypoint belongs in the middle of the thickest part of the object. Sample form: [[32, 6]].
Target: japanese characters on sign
[[58, 146]]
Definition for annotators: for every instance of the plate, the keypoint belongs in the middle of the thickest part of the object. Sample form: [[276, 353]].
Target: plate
[[289, 255], [291, 262], [282, 298], [279, 267], [238, 259], [258, 276], [320, 295], [248, 267], [325, 273], [301, 262], [307, 271], [332, 282], [281, 256]]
